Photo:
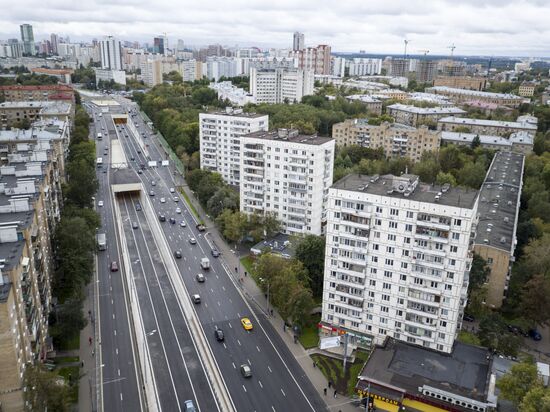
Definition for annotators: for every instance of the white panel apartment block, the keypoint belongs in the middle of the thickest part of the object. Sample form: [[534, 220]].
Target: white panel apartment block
[[288, 174], [220, 135], [397, 259]]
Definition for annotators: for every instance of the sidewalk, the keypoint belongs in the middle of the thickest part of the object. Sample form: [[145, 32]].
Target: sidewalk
[[339, 404], [86, 388]]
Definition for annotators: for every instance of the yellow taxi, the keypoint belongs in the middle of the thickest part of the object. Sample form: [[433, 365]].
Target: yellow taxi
[[247, 325]]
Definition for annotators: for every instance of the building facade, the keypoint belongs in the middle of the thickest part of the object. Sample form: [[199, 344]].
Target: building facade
[[151, 72], [298, 42], [464, 95], [426, 70], [397, 260], [220, 135], [27, 38], [399, 68], [461, 82], [280, 85], [15, 112], [364, 67], [518, 142], [110, 53], [15, 93], [396, 140], [417, 116], [317, 59], [527, 89], [495, 239], [288, 175]]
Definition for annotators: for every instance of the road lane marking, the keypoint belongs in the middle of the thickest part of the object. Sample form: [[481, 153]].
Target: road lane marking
[[231, 327], [250, 363], [270, 371], [258, 348], [115, 332], [260, 383], [233, 363], [244, 388], [225, 347], [283, 392], [118, 372], [239, 342]]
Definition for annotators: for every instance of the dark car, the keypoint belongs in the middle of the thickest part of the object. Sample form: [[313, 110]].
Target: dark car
[[215, 252], [535, 334], [201, 227], [114, 267], [173, 220], [218, 333], [138, 207], [162, 218], [177, 254], [468, 318]]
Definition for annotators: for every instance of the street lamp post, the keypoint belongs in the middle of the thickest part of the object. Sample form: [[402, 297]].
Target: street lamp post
[[144, 341]]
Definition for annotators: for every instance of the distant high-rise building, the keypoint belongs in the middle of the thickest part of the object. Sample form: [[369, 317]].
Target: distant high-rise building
[[110, 53], [181, 45], [280, 85], [314, 58], [54, 40], [158, 45], [426, 70], [399, 68], [27, 37], [299, 41]]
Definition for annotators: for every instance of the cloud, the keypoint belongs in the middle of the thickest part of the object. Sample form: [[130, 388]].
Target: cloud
[[516, 27]]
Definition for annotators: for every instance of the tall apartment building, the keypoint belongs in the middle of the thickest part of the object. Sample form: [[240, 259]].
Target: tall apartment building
[[317, 59], [364, 67], [461, 82], [12, 49], [287, 174], [399, 68], [298, 42], [426, 70], [54, 41], [499, 206], [220, 135], [30, 190], [27, 38], [397, 260], [151, 72], [417, 116], [280, 85], [486, 127], [158, 45], [110, 53], [395, 139]]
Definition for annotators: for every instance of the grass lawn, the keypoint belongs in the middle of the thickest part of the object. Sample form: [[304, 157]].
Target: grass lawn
[[191, 205], [333, 370], [468, 337], [71, 374], [248, 264], [66, 359], [309, 338], [70, 342]]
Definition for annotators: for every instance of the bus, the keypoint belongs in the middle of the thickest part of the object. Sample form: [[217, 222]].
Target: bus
[[99, 136], [101, 241], [99, 161]]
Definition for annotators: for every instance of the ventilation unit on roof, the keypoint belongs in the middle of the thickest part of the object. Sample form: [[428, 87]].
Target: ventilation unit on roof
[[502, 239], [486, 241]]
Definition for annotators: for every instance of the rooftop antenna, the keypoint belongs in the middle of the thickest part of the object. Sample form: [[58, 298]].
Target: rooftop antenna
[[452, 47], [406, 43], [424, 51]]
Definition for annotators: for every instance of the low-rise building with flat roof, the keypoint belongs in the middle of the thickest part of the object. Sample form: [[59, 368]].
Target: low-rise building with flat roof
[[487, 127], [461, 82], [18, 111], [399, 376], [38, 93], [519, 142], [527, 89], [279, 245], [462, 95], [372, 104], [498, 210], [417, 116]]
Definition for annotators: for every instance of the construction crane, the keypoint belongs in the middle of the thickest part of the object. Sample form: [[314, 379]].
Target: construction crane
[[406, 43], [452, 47], [424, 51]]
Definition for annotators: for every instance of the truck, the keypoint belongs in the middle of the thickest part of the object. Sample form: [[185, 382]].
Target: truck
[[101, 241], [99, 136], [99, 161], [205, 263]]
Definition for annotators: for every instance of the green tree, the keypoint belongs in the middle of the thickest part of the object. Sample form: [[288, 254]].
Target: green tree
[[271, 225], [535, 300], [44, 390], [476, 142], [310, 250], [536, 400], [70, 319], [82, 183], [493, 333], [479, 272], [443, 178], [223, 198], [522, 378]]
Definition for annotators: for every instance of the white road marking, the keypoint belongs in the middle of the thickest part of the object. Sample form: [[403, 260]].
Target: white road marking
[[121, 396], [223, 287], [230, 301], [225, 347], [115, 332], [116, 351], [238, 315], [270, 371], [233, 363], [118, 372], [113, 315], [258, 348], [244, 388], [217, 277], [250, 363], [231, 327], [239, 342], [283, 392], [260, 383]]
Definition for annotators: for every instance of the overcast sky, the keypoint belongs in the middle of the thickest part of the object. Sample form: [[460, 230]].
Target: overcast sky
[[488, 27]]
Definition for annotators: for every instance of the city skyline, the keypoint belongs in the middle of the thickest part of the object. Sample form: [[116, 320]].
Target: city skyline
[[476, 28]]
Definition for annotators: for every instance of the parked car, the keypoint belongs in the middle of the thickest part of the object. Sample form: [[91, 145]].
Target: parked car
[[468, 318], [535, 334]]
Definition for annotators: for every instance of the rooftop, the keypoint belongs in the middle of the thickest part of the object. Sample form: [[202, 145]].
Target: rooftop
[[229, 111], [499, 202], [464, 372], [521, 137], [445, 89], [278, 245], [491, 123], [426, 110], [430, 98], [365, 98], [289, 135], [47, 107], [57, 87], [408, 186]]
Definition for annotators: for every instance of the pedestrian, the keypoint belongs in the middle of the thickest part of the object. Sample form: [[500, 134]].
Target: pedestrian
[[82, 364], [246, 274], [335, 393], [314, 364], [236, 269], [325, 391], [90, 340], [92, 353], [271, 312], [329, 384]]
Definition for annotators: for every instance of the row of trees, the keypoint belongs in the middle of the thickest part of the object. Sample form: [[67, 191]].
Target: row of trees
[[27, 79], [523, 386], [74, 239]]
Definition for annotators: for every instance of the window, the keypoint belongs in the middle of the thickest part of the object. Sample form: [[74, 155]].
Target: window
[[385, 309], [337, 202], [390, 249], [384, 320], [404, 265], [452, 262], [373, 271], [377, 235], [489, 261], [448, 287], [372, 282], [450, 275], [456, 236], [410, 215], [386, 286], [389, 262], [387, 274], [391, 237], [408, 228], [375, 246], [454, 249], [378, 209], [458, 222], [443, 323], [375, 259], [378, 222], [394, 212], [407, 240], [393, 225], [403, 277], [386, 298], [441, 335]]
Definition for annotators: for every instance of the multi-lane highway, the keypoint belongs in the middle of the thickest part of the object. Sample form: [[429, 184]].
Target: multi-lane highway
[[277, 382]]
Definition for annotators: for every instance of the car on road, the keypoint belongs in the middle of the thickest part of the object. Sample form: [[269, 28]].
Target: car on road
[[162, 218], [172, 220], [218, 333], [516, 330], [246, 371], [153, 183], [151, 193], [192, 240], [140, 171], [162, 200], [114, 267], [100, 203], [132, 158], [183, 224], [215, 252], [468, 318], [201, 227], [176, 199], [177, 254], [134, 225], [200, 278], [535, 334], [196, 298], [138, 206], [178, 210], [247, 325], [189, 406], [172, 190]]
